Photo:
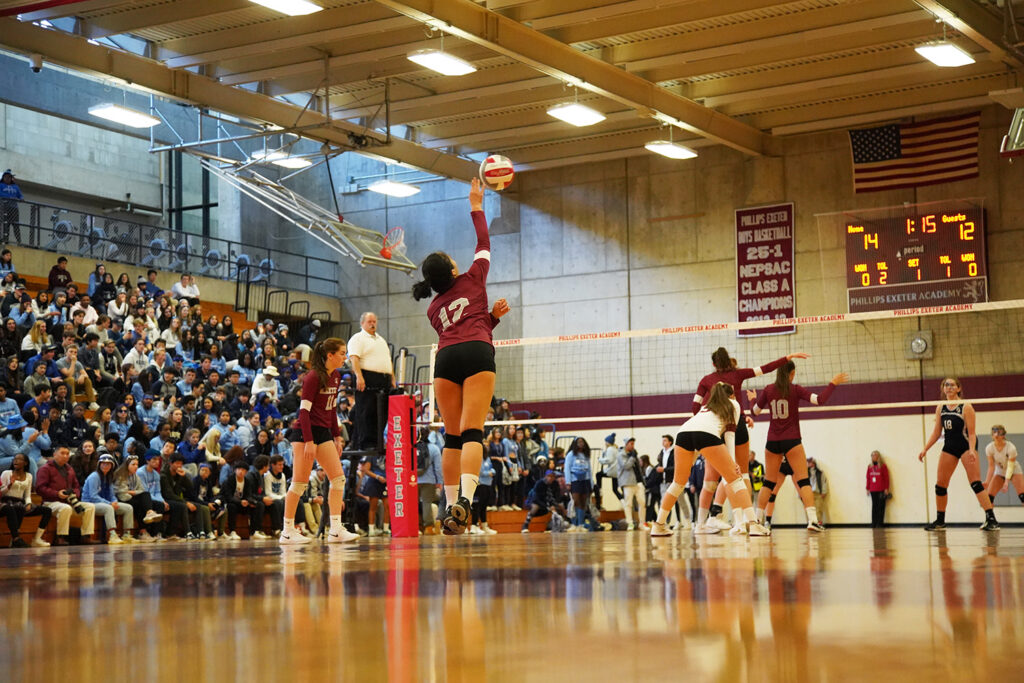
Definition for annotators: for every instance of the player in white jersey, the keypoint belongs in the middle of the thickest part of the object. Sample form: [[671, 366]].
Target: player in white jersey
[[712, 432], [1002, 465]]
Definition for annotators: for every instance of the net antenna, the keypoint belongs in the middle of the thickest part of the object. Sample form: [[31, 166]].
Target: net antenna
[[360, 244]]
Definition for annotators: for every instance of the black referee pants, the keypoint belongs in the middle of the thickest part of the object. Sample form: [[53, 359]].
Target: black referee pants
[[370, 412]]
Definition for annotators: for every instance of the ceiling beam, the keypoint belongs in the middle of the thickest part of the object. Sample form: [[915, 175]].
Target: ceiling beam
[[68, 9], [500, 135], [975, 22], [159, 15], [505, 36], [76, 53]]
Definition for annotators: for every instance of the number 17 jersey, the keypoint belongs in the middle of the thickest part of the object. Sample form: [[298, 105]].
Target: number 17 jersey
[[460, 313]]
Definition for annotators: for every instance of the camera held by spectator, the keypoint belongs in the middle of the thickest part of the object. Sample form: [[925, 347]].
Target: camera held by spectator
[[73, 501]]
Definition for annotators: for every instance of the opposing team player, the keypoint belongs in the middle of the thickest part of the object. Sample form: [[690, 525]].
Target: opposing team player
[[321, 441], [464, 369], [726, 371], [712, 431], [783, 400], [1002, 465], [955, 421]]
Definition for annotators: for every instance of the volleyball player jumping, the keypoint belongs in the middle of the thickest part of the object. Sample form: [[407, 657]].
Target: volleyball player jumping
[[1002, 465], [464, 369], [712, 431], [955, 421], [321, 441], [783, 399], [726, 371]]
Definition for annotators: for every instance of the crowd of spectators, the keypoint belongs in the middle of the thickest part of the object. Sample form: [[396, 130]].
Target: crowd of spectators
[[124, 403]]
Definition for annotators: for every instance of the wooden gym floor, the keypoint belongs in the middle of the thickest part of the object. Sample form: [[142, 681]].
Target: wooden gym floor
[[848, 605]]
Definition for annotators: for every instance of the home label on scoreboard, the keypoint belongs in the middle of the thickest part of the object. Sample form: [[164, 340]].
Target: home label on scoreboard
[[920, 258]]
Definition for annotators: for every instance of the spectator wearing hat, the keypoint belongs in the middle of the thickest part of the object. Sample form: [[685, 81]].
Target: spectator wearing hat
[[609, 461], [186, 289], [59, 277], [238, 492], [266, 383], [77, 378], [305, 339], [370, 357], [10, 195], [98, 489], [20, 438], [58, 486], [18, 305]]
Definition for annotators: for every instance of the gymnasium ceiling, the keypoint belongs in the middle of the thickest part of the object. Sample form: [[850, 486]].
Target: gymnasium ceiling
[[743, 73]]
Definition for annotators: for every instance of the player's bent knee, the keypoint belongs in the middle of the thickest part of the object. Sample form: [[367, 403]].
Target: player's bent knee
[[977, 486], [298, 487], [675, 489], [771, 498], [803, 482], [473, 436], [338, 483], [940, 490], [710, 486], [737, 485], [453, 441]]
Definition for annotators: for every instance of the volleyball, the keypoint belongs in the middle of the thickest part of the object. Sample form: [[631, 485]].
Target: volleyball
[[497, 172]]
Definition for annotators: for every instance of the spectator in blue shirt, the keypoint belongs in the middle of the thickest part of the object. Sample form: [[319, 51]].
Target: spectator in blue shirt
[[150, 289], [146, 412], [163, 435], [20, 438], [10, 195], [8, 406], [7, 263]]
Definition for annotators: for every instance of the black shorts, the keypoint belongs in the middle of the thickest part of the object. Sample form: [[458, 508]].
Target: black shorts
[[955, 448], [785, 470], [580, 487], [697, 441], [742, 435], [320, 435], [782, 447], [374, 488], [458, 362]]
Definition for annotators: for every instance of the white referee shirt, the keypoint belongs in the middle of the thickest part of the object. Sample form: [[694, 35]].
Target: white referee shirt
[[372, 350]]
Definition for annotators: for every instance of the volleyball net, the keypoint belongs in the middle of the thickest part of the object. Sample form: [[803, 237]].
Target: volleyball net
[[652, 374]]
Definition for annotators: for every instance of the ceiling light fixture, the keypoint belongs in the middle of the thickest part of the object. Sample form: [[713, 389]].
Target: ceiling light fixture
[[292, 8], [576, 114], [944, 53], [441, 62], [282, 159], [127, 116], [393, 188], [672, 150]]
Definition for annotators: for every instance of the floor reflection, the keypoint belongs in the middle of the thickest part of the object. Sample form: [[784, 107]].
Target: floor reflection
[[850, 605]]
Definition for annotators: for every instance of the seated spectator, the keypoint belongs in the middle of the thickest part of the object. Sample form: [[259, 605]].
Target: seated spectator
[[315, 496], [95, 278], [266, 409], [261, 446], [20, 438], [266, 383], [99, 490], [241, 404], [131, 491], [275, 485], [76, 429], [36, 340], [59, 277], [204, 488], [150, 288], [104, 293], [7, 262], [175, 485], [8, 406], [138, 357], [186, 289], [264, 502], [247, 429], [12, 378], [58, 486], [239, 495], [544, 497], [77, 378], [151, 480], [193, 451], [23, 315], [117, 308], [84, 304], [16, 503], [10, 338]]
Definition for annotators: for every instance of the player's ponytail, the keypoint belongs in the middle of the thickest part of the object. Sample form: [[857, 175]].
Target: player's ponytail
[[319, 358], [720, 404], [437, 276], [782, 382], [721, 359]]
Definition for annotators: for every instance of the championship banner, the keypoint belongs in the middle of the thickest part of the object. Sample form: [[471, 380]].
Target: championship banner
[[403, 500], [764, 267]]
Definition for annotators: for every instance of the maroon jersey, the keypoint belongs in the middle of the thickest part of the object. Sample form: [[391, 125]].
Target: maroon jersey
[[734, 377], [319, 404], [785, 412], [460, 313]]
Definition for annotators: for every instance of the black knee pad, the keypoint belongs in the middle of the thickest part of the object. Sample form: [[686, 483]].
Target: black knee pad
[[940, 490], [977, 486], [1021, 496], [453, 441], [473, 436], [771, 498], [803, 482], [770, 485]]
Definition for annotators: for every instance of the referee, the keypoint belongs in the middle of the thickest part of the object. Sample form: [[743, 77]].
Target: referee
[[375, 376]]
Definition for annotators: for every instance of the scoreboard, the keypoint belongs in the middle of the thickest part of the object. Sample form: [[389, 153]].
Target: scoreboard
[[916, 259]]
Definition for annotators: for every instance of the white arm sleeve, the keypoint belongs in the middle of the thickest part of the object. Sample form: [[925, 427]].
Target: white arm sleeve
[[814, 399]]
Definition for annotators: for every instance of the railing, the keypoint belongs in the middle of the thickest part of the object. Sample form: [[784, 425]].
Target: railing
[[65, 231]]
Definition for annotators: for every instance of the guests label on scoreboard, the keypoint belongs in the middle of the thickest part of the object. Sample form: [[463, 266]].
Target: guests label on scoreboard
[[764, 267]]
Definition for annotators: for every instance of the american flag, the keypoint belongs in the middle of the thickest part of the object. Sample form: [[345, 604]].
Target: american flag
[[914, 154]]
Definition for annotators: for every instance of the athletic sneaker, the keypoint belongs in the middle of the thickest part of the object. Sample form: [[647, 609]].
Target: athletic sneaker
[[456, 517], [292, 538], [152, 516], [755, 529], [705, 529], [39, 543], [476, 531], [718, 524], [990, 525], [488, 530], [259, 536], [738, 530], [114, 539], [342, 535], [191, 537], [935, 526], [126, 537], [815, 526], [233, 536], [524, 530], [658, 529]]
